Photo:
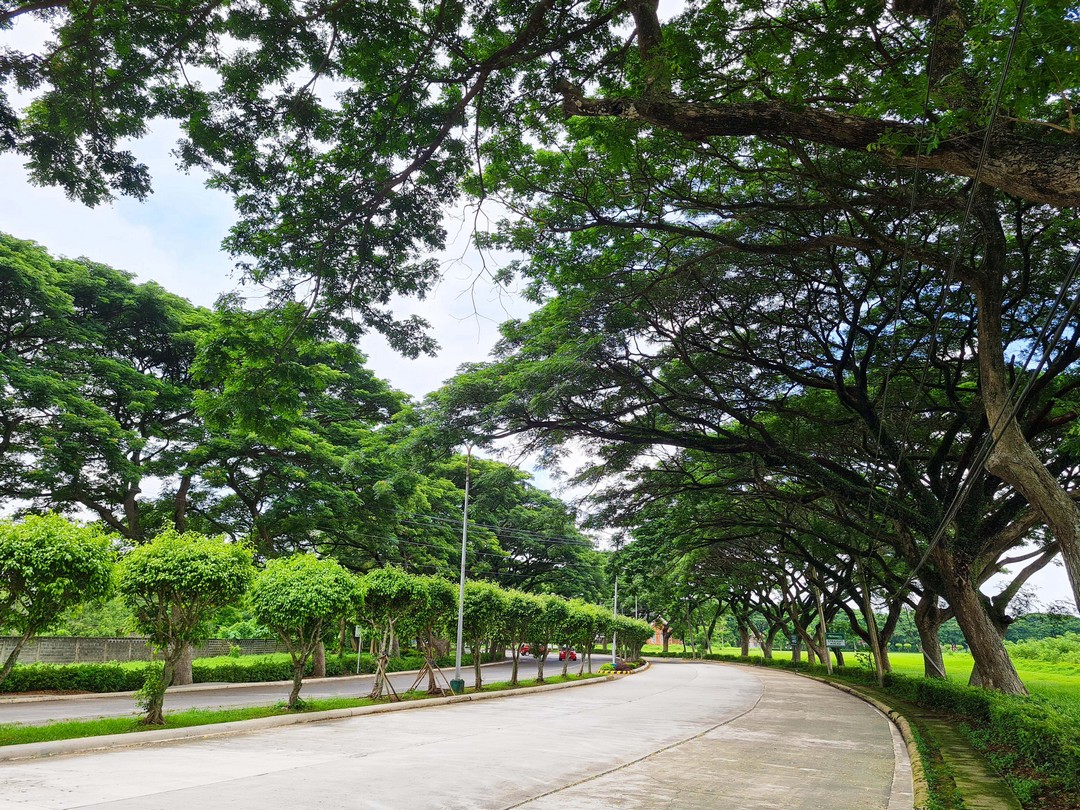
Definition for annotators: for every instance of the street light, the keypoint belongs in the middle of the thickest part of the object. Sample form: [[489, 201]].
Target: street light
[[614, 615], [457, 686]]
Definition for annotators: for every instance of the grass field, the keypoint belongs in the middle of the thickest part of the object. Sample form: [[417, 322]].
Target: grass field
[[1057, 684]]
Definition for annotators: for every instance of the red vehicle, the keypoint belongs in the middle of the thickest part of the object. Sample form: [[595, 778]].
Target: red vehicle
[[565, 652], [525, 650]]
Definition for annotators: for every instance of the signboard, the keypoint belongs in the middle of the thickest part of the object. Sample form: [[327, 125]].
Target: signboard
[[794, 639], [837, 642], [358, 631]]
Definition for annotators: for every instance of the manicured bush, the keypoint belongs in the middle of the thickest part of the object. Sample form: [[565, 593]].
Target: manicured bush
[[224, 669], [75, 678]]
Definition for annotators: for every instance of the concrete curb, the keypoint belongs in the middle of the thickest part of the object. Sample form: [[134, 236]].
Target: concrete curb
[[84, 745], [204, 687]]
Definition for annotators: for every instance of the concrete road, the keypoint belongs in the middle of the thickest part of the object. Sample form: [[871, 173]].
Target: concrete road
[[70, 707], [681, 735]]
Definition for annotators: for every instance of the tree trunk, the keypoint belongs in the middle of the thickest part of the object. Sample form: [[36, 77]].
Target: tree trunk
[[155, 713], [744, 641], [297, 682], [928, 622], [9, 664], [514, 667], [183, 675], [477, 658], [180, 503], [839, 656], [769, 641], [539, 665], [796, 651], [996, 670], [343, 637], [1012, 459], [871, 631], [665, 633], [318, 661]]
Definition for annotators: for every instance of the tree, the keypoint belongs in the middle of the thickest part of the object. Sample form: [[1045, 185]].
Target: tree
[[482, 616], [342, 188], [544, 630], [173, 585], [389, 596], [48, 565], [632, 634], [519, 613], [430, 619], [298, 597]]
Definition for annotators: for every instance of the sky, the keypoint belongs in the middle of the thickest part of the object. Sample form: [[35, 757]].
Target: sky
[[174, 238]]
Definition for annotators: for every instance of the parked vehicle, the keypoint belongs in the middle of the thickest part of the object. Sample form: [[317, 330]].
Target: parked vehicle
[[565, 651]]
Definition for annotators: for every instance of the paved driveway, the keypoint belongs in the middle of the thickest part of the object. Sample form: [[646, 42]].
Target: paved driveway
[[681, 735]]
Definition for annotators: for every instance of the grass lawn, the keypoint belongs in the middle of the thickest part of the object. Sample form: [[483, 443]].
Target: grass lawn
[[16, 734]]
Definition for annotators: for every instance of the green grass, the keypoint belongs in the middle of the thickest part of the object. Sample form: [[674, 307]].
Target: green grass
[[16, 734]]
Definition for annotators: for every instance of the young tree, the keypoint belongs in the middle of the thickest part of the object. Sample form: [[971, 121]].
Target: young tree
[[430, 618], [482, 618], [519, 613], [298, 597], [47, 565], [390, 595], [545, 627], [632, 633], [173, 584]]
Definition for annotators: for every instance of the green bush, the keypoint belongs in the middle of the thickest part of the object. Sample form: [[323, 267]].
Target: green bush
[[1061, 650], [224, 669], [75, 678]]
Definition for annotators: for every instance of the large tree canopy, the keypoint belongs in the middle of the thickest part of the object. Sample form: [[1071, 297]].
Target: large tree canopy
[[342, 131]]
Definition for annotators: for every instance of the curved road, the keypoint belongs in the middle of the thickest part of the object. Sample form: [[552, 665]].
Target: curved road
[[681, 735]]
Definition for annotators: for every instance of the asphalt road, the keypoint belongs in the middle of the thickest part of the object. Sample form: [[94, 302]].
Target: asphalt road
[[692, 736], [203, 696]]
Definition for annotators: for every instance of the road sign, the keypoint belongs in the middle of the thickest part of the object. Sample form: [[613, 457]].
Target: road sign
[[837, 642]]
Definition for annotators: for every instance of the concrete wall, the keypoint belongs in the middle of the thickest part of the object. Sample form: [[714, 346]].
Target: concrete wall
[[71, 650]]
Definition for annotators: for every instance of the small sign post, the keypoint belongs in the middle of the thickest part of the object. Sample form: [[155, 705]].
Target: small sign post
[[837, 642], [358, 633]]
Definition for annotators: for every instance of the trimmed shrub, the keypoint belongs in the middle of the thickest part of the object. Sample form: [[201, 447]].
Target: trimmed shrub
[[76, 678], [249, 669]]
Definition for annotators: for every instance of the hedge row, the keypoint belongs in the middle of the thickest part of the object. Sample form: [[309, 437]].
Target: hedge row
[[251, 669], [1021, 734], [74, 678]]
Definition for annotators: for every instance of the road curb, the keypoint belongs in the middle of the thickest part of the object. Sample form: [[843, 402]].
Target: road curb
[[203, 687], [84, 745]]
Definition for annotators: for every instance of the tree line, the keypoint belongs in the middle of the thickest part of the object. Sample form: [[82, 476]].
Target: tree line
[[128, 403], [176, 581]]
